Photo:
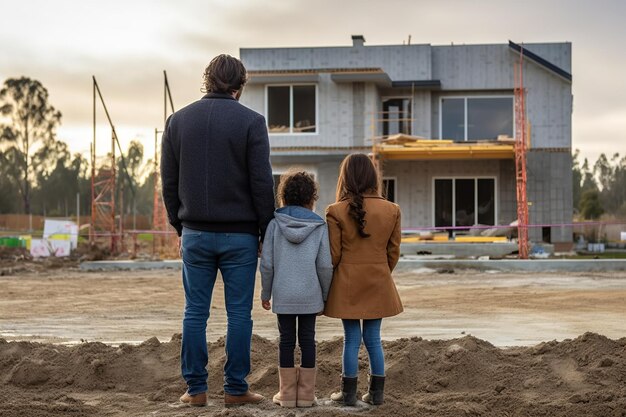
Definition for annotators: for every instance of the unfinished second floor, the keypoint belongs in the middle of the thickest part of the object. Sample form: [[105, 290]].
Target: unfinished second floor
[[344, 97]]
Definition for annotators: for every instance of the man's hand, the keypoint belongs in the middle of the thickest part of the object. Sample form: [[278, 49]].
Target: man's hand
[[180, 246], [266, 304]]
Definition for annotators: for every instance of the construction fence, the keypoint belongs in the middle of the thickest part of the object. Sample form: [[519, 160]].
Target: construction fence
[[143, 242]]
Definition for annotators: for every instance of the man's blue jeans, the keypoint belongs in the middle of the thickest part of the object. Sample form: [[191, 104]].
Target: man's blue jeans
[[370, 334], [235, 255]]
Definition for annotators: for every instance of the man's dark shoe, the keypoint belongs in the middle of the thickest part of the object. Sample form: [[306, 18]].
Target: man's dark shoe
[[198, 400], [247, 398]]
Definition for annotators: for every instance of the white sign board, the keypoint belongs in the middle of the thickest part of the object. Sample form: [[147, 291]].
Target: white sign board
[[622, 236], [42, 248], [59, 230]]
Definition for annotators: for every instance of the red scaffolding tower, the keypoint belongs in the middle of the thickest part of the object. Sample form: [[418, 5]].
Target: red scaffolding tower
[[521, 140], [102, 189], [103, 183]]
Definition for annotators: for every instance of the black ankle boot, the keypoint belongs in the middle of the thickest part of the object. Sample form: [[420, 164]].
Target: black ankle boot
[[376, 392], [348, 389]]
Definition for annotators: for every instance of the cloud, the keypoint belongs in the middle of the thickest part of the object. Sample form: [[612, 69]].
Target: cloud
[[127, 45]]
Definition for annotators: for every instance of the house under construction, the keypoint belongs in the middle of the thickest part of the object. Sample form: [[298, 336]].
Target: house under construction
[[440, 121]]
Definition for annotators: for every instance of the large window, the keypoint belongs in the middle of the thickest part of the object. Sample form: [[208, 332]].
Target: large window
[[476, 118], [464, 201], [396, 116], [292, 109]]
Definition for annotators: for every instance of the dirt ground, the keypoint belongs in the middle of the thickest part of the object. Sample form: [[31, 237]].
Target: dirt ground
[[91, 359]]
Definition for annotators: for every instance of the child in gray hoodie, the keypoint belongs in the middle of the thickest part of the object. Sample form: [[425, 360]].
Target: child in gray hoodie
[[296, 270]]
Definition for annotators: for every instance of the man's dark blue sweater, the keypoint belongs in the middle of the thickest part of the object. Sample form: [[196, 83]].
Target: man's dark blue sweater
[[215, 167]]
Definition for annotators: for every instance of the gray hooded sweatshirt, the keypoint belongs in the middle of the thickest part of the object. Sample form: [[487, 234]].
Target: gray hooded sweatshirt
[[296, 266]]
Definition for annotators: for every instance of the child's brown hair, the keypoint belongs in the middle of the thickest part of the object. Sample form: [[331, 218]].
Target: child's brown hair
[[297, 188]]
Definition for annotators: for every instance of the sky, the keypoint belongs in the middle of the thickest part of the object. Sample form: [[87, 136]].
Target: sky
[[126, 45]]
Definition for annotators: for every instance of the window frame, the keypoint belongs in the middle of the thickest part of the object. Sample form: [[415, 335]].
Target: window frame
[[466, 177], [465, 98], [411, 117], [395, 186], [291, 132]]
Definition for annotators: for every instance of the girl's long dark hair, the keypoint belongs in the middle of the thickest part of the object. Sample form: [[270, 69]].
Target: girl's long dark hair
[[357, 176]]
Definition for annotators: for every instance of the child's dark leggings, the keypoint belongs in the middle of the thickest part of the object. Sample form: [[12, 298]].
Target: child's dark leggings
[[306, 339]]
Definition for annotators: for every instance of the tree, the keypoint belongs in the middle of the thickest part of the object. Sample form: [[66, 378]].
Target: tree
[[603, 171], [58, 178], [24, 102], [590, 206], [577, 179], [589, 182], [8, 189], [129, 174]]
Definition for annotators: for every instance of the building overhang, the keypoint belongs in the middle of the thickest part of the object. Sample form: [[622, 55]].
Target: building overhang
[[282, 77], [375, 75], [316, 150], [418, 84], [379, 78], [340, 76], [412, 148]]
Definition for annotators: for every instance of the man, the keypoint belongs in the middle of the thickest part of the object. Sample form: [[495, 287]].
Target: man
[[218, 191]]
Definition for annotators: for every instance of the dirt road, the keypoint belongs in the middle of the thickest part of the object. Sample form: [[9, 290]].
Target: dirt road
[[513, 309]]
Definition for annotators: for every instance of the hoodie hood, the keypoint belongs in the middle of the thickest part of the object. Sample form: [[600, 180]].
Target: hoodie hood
[[297, 223]]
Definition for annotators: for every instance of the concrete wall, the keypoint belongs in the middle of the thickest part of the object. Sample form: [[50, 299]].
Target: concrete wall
[[550, 192], [401, 62]]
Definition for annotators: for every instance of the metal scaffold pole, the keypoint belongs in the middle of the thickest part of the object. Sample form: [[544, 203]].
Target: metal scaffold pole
[[159, 214]]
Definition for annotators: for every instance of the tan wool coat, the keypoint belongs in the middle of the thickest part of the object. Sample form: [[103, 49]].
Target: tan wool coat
[[362, 286]]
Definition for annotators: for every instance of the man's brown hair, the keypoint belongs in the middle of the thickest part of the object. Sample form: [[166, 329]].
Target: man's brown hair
[[224, 74]]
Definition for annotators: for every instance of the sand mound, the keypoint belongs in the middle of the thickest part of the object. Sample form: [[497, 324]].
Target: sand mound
[[462, 377]]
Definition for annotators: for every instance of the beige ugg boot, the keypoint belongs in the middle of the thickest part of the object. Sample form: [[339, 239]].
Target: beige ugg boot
[[288, 388], [306, 386]]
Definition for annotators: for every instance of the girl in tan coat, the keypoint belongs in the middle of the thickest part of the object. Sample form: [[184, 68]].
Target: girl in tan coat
[[364, 232]]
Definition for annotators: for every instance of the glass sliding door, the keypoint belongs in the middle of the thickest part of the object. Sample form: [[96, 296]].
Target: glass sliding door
[[486, 201], [443, 202], [464, 202], [389, 189]]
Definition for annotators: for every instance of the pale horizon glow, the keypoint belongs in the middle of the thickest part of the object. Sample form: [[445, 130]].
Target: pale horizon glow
[[127, 45]]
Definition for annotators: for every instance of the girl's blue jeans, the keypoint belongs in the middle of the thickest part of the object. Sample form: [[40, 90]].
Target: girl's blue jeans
[[369, 332]]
